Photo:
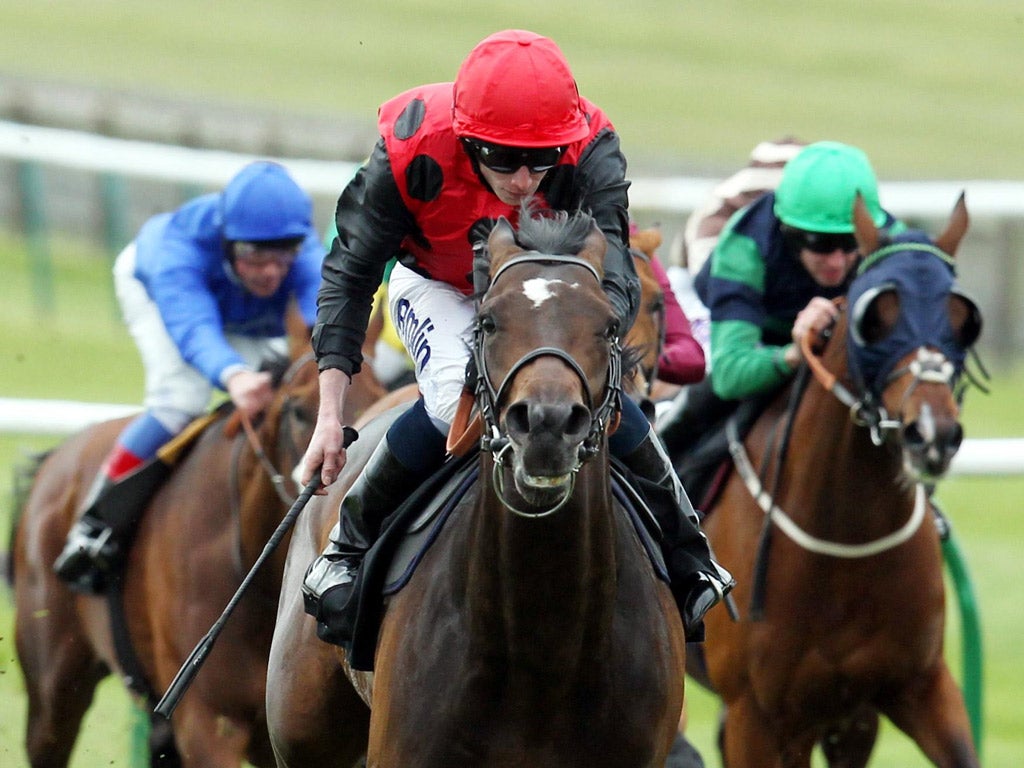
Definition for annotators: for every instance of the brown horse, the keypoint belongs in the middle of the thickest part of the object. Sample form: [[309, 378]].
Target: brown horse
[[535, 630], [832, 543], [200, 534], [647, 334]]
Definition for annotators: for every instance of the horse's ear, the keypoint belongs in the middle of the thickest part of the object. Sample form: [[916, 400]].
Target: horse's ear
[[594, 247], [955, 229], [646, 240], [502, 243], [299, 334], [864, 228]]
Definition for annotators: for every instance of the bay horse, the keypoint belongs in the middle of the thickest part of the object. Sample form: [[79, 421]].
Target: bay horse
[[200, 534], [830, 536], [647, 334], [535, 630]]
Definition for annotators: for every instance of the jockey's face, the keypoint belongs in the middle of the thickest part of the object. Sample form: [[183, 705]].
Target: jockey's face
[[827, 257], [262, 270], [513, 188], [829, 270], [514, 173]]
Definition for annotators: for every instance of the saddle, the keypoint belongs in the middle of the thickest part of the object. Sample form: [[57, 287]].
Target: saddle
[[410, 531]]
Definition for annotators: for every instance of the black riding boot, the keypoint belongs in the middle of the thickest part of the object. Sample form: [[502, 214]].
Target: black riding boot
[[327, 588], [698, 582], [98, 542], [89, 545]]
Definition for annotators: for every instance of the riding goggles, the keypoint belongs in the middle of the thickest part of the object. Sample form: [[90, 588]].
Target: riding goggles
[[502, 159], [825, 242], [259, 255]]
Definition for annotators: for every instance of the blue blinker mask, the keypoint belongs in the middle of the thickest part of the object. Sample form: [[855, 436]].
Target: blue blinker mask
[[923, 279]]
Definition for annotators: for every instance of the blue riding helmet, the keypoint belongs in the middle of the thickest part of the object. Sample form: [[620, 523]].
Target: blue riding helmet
[[923, 278], [262, 202]]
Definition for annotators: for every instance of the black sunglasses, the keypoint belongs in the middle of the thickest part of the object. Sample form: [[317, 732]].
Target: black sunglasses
[[826, 242], [502, 159]]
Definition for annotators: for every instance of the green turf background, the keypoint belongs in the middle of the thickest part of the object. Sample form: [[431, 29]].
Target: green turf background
[[928, 89]]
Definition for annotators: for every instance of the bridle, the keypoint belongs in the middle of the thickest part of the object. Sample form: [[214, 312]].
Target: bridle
[[489, 398]]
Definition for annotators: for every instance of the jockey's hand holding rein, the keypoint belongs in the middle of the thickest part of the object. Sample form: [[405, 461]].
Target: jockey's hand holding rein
[[818, 315], [250, 391], [326, 446]]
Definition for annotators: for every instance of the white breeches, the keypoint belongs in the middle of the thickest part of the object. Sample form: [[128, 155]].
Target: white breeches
[[435, 323]]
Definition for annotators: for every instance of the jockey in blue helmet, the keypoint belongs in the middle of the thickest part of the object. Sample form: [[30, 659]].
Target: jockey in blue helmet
[[204, 290]]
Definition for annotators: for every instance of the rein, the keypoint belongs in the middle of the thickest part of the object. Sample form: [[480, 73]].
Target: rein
[[277, 478], [489, 399], [806, 540]]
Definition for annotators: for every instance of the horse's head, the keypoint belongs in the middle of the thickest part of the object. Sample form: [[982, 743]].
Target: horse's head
[[291, 416], [910, 329], [647, 335], [546, 347]]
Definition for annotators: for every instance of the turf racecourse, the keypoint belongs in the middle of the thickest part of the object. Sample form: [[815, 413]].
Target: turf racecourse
[[37, 355], [928, 88]]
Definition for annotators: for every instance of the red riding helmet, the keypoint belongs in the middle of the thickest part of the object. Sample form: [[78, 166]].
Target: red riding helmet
[[515, 88]]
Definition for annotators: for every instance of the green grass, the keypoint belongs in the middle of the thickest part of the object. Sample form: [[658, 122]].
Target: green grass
[[928, 88], [81, 351]]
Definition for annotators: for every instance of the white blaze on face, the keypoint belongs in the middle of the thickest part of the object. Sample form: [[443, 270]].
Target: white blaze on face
[[538, 290]]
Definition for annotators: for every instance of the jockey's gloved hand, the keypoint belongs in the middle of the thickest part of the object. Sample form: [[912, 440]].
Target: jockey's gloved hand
[[250, 391]]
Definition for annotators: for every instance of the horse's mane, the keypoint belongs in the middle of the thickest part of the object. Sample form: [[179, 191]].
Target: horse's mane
[[24, 476], [553, 232]]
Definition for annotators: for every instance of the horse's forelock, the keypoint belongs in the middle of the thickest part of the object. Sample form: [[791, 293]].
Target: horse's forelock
[[553, 232]]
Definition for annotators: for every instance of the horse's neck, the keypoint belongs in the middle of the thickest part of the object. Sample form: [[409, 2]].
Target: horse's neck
[[833, 469], [256, 501], [550, 577]]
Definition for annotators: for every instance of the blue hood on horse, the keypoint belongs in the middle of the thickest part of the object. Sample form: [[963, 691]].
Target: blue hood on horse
[[923, 277]]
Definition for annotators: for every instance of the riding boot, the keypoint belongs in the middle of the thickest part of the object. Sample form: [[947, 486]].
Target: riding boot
[[328, 586], [98, 541], [88, 542], [698, 582]]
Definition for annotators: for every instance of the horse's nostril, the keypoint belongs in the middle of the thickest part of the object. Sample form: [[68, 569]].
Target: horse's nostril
[[912, 436], [578, 424], [517, 419]]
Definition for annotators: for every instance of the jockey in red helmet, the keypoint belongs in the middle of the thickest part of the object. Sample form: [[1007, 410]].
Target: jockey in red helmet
[[451, 159]]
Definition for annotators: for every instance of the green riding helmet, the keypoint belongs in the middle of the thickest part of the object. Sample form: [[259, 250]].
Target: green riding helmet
[[820, 184]]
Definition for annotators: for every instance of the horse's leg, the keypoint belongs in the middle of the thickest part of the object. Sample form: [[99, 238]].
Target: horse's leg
[[61, 674], [315, 716], [934, 716], [850, 745], [748, 740], [207, 738], [163, 752]]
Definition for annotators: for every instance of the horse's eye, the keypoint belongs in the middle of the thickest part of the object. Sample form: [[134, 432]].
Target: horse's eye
[[875, 314], [487, 324], [965, 318]]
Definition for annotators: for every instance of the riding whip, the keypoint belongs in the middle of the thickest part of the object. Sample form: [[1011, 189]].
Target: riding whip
[[194, 662]]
